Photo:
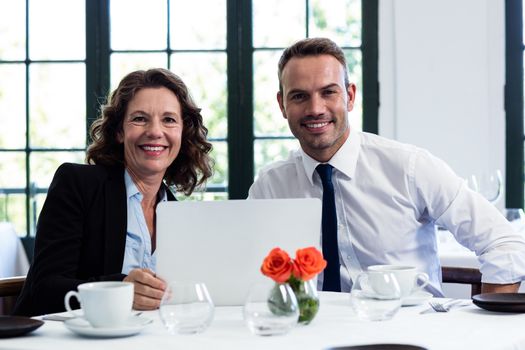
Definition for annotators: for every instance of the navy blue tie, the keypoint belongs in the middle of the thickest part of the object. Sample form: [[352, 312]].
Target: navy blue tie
[[332, 279]]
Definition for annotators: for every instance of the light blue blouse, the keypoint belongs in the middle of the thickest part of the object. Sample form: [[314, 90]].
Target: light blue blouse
[[138, 240]]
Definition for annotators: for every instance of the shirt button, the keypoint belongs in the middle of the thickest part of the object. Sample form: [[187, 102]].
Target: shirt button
[[341, 227]]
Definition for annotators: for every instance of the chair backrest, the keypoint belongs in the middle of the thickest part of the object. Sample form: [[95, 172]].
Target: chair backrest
[[463, 275], [10, 288]]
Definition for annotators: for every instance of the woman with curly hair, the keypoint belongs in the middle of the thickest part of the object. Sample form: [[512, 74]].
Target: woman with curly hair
[[98, 220]]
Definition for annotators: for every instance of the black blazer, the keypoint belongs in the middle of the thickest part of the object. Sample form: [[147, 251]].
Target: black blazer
[[81, 236]]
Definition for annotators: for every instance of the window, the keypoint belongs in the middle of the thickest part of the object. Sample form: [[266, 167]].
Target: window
[[42, 101], [190, 40], [339, 20], [56, 70]]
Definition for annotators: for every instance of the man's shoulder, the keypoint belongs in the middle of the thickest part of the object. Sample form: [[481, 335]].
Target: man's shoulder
[[282, 167], [386, 148], [280, 179], [373, 141]]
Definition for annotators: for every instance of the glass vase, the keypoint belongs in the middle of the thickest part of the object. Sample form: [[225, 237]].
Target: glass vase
[[271, 309], [307, 299]]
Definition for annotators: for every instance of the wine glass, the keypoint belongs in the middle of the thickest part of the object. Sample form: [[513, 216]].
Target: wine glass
[[271, 309], [376, 295], [186, 307], [516, 217], [472, 183], [490, 185], [514, 214]]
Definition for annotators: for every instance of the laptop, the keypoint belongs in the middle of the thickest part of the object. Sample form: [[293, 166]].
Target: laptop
[[223, 243]]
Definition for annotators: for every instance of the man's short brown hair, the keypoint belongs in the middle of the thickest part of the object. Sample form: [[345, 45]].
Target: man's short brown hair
[[312, 47]]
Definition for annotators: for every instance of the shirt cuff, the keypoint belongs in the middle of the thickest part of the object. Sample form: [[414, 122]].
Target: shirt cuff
[[502, 267]]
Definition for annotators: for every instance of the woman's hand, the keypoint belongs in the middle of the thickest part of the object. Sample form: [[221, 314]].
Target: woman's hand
[[148, 289]]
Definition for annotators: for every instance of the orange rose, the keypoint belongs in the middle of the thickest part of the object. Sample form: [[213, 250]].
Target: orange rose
[[277, 265], [308, 263]]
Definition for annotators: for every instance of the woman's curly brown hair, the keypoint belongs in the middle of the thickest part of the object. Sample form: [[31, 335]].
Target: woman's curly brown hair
[[192, 167]]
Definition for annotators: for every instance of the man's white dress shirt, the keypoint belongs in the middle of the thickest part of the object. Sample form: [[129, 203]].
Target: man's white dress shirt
[[389, 197]]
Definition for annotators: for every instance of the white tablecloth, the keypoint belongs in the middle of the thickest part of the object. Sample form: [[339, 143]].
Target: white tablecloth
[[335, 325]]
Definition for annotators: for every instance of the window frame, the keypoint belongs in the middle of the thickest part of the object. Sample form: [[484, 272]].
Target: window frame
[[239, 53], [514, 59]]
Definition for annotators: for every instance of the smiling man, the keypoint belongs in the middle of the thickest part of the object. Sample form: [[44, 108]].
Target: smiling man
[[315, 103], [381, 199]]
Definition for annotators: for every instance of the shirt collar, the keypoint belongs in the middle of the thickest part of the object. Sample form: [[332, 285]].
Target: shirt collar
[[132, 190], [344, 160]]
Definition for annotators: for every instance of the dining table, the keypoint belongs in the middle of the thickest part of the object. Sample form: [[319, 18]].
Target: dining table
[[335, 325]]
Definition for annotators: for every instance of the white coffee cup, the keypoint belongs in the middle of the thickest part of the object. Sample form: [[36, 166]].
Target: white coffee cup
[[105, 304], [409, 279]]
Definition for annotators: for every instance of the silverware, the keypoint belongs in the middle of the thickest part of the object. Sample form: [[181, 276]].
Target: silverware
[[437, 306], [443, 307], [59, 318]]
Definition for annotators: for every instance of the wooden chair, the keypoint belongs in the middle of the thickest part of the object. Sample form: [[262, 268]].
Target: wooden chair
[[463, 275], [10, 288]]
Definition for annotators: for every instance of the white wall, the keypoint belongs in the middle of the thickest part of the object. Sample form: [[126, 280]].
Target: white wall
[[441, 72]]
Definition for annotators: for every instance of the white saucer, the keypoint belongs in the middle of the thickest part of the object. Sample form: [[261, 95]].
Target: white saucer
[[416, 298], [81, 326]]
